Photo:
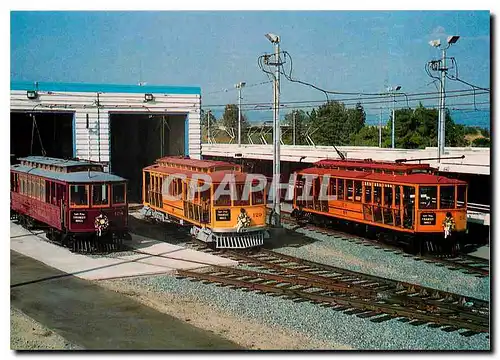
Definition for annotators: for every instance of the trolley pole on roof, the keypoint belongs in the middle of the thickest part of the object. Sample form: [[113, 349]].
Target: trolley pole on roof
[[275, 39]]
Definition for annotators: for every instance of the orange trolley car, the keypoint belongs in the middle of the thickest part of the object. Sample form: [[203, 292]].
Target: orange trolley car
[[223, 221], [393, 199]]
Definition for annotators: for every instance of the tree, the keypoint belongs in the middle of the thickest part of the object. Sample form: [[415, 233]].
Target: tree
[[301, 121], [485, 132], [471, 130], [332, 122], [368, 136], [418, 128], [454, 133], [230, 118], [356, 119], [481, 142]]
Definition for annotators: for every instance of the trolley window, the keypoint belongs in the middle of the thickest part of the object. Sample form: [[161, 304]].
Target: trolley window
[[79, 195], [461, 196], [340, 188], [368, 193], [397, 199], [333, 188], [12, 181], [31, 191], [53, 197], [222, 199], [258, 197], [205, 195], [350, 190], [175, 188], [358, 189], [428, 197], [447, 197], [118, 193], [377, 195], [100, 195], [240, 201], [388, 196]]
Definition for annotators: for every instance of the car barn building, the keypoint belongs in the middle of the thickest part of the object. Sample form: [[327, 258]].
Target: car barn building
[[125, 127]]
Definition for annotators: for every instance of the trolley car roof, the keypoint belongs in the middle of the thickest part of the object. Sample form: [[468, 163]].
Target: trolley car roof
[[56, 162], [215, 177], [72, 177], [417, 179], [194, 162], [370, 164]]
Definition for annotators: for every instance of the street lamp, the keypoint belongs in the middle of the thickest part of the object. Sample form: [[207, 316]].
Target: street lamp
[[240, 85], [275, 39], [441, 118], [393, 90]]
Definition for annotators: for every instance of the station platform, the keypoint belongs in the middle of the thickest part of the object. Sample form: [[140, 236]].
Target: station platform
[[151, 257]]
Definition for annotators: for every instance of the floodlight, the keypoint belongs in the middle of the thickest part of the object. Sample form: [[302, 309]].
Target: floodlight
[[32, 94], [453, 39], [273, 38], [435, 43]]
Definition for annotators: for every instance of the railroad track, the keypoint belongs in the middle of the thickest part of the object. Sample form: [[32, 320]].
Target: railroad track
[[366, 296], [466, 263], [353, 293]]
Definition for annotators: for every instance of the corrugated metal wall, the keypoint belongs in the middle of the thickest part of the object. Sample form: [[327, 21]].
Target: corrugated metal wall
[[93, 142]]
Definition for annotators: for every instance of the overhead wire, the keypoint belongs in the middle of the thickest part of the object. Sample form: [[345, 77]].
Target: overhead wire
[[411, 97]]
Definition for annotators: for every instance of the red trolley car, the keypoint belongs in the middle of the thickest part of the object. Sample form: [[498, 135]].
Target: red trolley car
[[78, 204]]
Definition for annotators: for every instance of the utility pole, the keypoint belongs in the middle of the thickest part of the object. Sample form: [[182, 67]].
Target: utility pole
[[442, 93], [98, 128], [393, 119], [441, 119], [275, 39], [393, 90], [293, 127], [239, 86], [209, 112], [380, 129]]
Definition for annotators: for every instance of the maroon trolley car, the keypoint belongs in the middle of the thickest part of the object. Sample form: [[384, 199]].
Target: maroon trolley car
[[77, 204]]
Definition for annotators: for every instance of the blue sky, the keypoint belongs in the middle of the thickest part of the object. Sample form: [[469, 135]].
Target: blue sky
[[345, 51]]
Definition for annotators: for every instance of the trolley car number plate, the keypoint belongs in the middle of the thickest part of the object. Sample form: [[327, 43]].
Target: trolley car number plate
[[428, 219], [78, 217], [223, 215]]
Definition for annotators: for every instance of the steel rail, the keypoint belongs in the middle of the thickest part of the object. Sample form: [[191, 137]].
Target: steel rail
[[361, 307], [455, 263]]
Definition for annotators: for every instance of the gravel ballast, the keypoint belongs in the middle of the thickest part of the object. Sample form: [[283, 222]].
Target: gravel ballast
[[367, 259], [325, 324], [317, 322]]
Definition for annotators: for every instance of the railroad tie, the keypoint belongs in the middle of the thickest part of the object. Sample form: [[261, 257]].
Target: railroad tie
[[354, 311], [417, 322], [382, 318], [368, 314], [469, 333]]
